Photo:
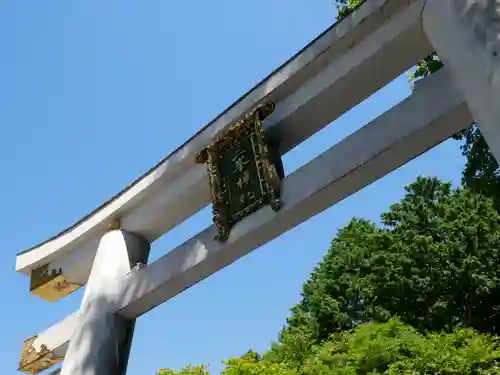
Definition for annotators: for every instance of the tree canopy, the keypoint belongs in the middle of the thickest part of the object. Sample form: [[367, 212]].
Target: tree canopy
[[391, 348], [433, 263]]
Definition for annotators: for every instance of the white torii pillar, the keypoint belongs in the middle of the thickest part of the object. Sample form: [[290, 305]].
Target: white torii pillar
[[466, 37], [100, 344]]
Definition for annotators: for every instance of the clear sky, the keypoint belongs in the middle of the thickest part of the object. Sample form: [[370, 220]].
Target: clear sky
[[93, 93]]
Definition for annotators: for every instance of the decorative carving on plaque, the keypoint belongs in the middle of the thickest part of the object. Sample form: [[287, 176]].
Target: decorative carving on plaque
[[243, 173]]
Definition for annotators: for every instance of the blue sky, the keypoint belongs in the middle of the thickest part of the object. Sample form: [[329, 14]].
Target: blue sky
[[93, 93]]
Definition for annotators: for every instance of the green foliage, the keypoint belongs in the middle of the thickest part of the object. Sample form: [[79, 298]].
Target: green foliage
[[481, 172], [254, 365], [390, 348], [394, 348], [189, 370], [426, 67], [434, 264], [248, 364], [346, 7], [295, 341]]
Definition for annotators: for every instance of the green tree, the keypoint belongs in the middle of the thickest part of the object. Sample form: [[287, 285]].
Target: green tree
[[434, 263], [393, 348], [253, 364], [249, 364], [390, 348], [188, 370], [481, 172]]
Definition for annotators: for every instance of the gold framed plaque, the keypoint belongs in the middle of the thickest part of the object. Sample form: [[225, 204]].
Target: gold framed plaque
[[241, 174]]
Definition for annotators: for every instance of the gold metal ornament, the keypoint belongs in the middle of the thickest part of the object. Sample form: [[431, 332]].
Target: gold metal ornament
[[35, 362], [51, 285], [114, 225]]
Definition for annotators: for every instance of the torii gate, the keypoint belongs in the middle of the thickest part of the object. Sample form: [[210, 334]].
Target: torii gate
[[107, 250]]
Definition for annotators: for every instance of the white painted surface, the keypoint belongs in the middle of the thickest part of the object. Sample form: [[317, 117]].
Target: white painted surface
[[466, 36], [339, 70], [434, 112], [101, 340]]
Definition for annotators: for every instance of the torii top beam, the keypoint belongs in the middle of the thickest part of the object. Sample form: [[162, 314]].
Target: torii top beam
[[341, 67]]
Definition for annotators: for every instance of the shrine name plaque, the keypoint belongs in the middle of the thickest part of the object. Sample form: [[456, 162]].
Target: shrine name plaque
[[244, 171]]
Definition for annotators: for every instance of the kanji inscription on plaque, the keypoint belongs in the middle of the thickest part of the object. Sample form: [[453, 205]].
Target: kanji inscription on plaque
[[241, 175]]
